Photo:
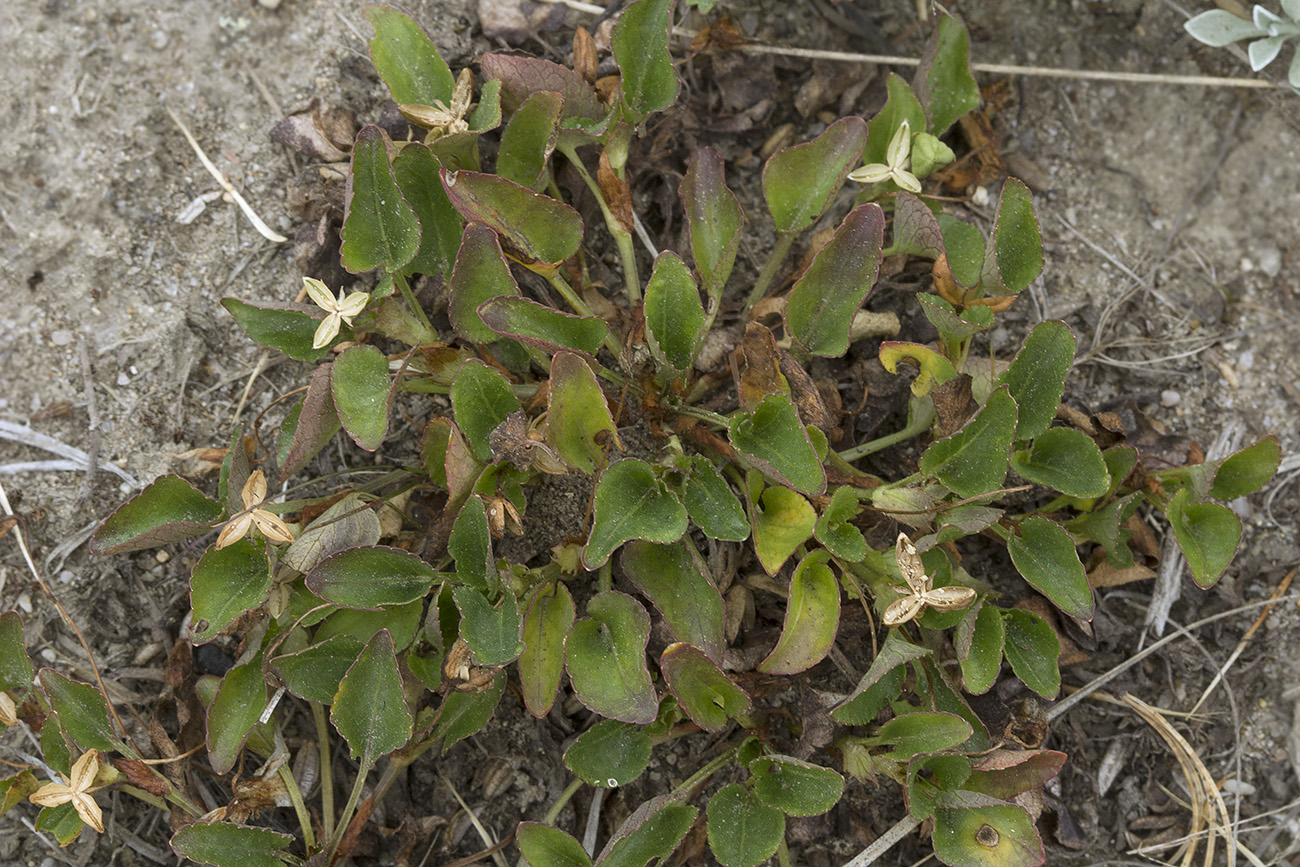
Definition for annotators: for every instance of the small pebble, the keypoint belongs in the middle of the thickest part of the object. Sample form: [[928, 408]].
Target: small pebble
[[1246, 360], [123, 379], [67, 575], [62, 337], [162, 556], [1270, 261], [980, 198], [1170, 398], [159, 39], [25, 602], [269, 4], [1238, 787]]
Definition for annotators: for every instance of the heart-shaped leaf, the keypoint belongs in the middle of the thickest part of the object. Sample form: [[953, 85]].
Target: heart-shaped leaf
[[819, 310], [541, 326], [239, 702], [796, 788], [225, 845], [529, 138], [1208, 535], [369, 709], [535, 230], [605, 655], [609, 754], [800, 182], [362, 394], [834, 531], [315, 672], [674, 316], [542, 661], [715, 218], [1065, 459], [973, 461], [380, 228], [783, 520], [1015, 254], [774, 441], [631, 503], [1044, 554], [416, 170], [711, 504], [708, 696], [812, 616], [491, 631], [579, 425], [287, 328], [676, 581], [407, 60], [640, 46], [481, 399], [225, 583], [1033, 649], [371, 577], [1037, 374], [743, 831], [168, 510]]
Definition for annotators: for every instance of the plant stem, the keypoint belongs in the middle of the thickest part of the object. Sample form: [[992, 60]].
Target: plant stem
[[575, 301], [920, 416], [626, 249], [326, 769], [709, 769], [400, 280], [702, 414], [299, 808], [354, 797], [565, 796], [765, 277]]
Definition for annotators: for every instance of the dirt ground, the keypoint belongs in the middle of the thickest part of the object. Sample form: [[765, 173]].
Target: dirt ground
[[1170, 216]]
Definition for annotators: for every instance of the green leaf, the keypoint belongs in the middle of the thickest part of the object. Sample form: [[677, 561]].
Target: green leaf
[[529, 138], [1015, 255], [651, 832], [978, 640], [315, 672], [234, 474], [54, 746], [481, 273], [1246, 471], [795, 787], [1208, 535], [287, 328], [783, 520], [82, 713], [433, 449], [416, 170], [1108, 527], [935, 369], [609, 754], [544, 846], [362, 394], [521, 77], [631, 503], [485, 116], [1219, 27], [168, 510], [961, 837], [954, 326], [349, 523], [481, 399], [1037, 374], [1066, 460], [225, 845], [800, 182], [579, 425], [465, 713], [812, 616], [835, 532], [224, 584], [369, 709], [674, 316], [965, 247], [605, 655], [491, 631], [973, 461], [371, 577], [924, 732], [715, 218], [916, 231], [1033, 650], [407, 60], [15, 665], [774, 440], [1044, 554], [640, 46], [535, 230], [861, 707], [711, 504], [743, 832], [16, 789], [901, 105], [542, 662], [62, 822], [819, 310], [944, 83], [1007, 773], [470, 544], [544, 327], [676, 580], [380, 228], [708, 696], [401, 621], [308, 431], [234, 712]]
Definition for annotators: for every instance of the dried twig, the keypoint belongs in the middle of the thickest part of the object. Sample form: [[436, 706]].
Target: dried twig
[[76, 459], [92, 454]]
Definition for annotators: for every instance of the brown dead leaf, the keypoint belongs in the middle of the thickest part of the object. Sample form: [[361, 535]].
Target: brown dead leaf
[[322, 132], [807, 398], [953, 404], [756, 366], [1106, 575], [615, 190], [139, 774], [585, 59], [720, 35]]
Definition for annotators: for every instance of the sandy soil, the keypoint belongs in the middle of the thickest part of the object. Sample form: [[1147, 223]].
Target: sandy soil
[[1169, 216]]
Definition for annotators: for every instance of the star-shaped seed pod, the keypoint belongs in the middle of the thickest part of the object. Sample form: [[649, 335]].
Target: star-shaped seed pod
[[254, 494], [337, 311], [441, 119], [77, 790], [920, 590], [897, 159]]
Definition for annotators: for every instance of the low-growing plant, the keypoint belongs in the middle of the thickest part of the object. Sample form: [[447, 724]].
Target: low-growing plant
[[1267, 31], [400, 636]]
